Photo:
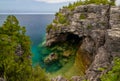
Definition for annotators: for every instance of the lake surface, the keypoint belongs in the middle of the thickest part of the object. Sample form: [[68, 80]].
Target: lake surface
[[36, 28]]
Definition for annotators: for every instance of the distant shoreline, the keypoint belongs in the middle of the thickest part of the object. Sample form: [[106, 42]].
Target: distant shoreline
[[27, 13]]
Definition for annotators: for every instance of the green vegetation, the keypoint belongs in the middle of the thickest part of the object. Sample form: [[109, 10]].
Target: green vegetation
[[50, 26], [89, 26], [15, 61], [101, 69], [114, 74], [55, 21], [85, 80], [85, 2], [103, 23], [63, 19], [82, 16], [75, 4]]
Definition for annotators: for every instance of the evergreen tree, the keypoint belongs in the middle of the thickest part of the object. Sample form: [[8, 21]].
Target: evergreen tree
[[15, 64]]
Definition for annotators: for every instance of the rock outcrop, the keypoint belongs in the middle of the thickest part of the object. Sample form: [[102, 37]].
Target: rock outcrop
[[98, 27]]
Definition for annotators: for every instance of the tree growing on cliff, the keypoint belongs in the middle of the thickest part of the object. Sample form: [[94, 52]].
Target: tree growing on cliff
[[85, 2]]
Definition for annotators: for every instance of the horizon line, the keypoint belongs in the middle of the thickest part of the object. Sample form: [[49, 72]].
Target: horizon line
[[23, 13]]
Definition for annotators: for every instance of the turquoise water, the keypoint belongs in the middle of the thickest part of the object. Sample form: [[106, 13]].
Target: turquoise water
[[36, 28], [52, 67]]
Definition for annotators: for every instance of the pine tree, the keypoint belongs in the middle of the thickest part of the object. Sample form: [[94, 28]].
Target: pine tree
[[15, 64]]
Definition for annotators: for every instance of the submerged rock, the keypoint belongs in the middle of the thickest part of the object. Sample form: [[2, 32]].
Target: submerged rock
[[59, 78], [50, 58], [67, 53]]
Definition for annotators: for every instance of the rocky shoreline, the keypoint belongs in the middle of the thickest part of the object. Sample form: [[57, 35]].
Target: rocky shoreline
[[98, 27]]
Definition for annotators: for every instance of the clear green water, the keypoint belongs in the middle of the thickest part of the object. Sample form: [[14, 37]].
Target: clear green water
[[36, 28], [40, 52]]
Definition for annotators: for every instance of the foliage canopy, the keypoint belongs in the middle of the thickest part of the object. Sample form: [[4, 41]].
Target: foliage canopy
[[114, 74], [15, 62]]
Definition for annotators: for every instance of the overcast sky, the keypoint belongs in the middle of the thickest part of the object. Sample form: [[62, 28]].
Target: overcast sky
[[33, 6]]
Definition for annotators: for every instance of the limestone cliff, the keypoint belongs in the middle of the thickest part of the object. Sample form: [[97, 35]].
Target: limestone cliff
[[98, 30]]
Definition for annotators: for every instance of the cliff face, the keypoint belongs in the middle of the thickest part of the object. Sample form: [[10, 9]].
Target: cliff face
[[98, 27]]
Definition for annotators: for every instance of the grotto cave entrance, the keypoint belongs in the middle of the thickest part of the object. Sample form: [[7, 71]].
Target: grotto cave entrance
[[71, 59], [73, 39], [69, 38]]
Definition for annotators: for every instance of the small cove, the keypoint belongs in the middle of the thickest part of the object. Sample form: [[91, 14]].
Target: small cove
[[36, 28]]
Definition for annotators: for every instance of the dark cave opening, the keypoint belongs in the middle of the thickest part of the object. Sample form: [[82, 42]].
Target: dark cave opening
[[68, 38], [74, 39]]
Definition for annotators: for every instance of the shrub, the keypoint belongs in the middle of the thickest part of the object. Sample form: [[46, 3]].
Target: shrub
[[114, 74], [50, 26], [82, 16], [55, 21], [75, 4], [89, 26], [80, 2], [61, 18]]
